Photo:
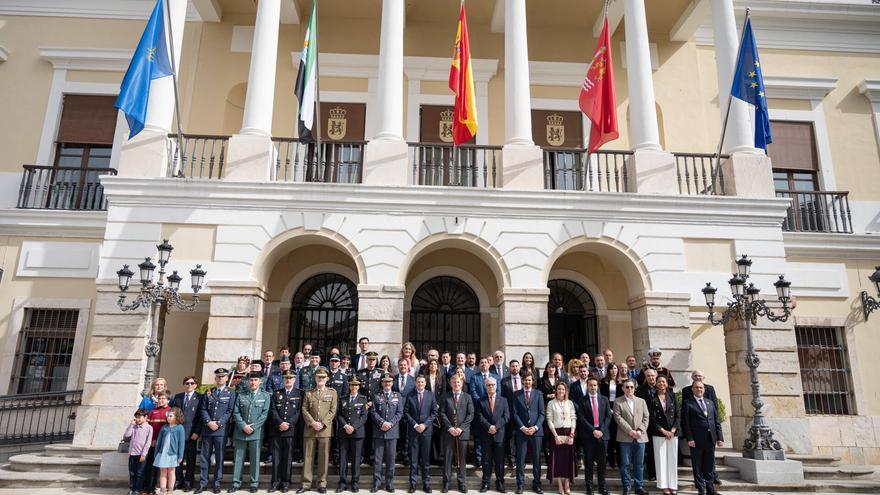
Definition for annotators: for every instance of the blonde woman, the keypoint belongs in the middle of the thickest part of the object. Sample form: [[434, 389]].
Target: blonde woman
[[148, 403], [572, 370], [408, 352], [561, 421]]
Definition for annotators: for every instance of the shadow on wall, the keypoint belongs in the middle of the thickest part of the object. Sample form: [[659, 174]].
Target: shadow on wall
[[233, 113]]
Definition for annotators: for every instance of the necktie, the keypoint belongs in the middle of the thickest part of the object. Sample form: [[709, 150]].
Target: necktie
[[492, 404], [351, 401], [456, 397], [703, 406], [516, 383], [528, 397], [387, 396], [421, 399], [595, 411], [363, 362]]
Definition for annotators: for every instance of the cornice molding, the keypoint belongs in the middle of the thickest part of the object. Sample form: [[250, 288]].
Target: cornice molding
[[871, 89], [437, 68], [345, 65], [53, 223], [556, 73], [98, 9], [799, 88], [96, 59], [832, 246]]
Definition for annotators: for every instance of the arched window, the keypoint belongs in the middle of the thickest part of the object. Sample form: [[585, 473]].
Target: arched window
[[445, 316], [324, 314], [571, 319]]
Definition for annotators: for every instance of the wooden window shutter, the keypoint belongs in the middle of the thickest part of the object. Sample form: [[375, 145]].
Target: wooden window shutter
[[793, 146], [88, 119]]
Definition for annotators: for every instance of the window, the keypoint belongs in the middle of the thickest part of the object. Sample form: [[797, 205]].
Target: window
[[324, 313], [445, 315], [45, 350], [85, 135], [825, 370]]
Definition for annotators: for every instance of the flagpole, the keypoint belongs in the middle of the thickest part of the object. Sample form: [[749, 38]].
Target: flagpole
[[729, 103], [317, 95], [177, 172]]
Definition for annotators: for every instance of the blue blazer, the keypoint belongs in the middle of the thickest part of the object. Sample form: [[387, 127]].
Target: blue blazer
[[426, 415], [174, 436], [499, 418], [531, 414], [478, 387]]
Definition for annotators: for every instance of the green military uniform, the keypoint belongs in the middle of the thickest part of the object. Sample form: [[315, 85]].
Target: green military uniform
[[306, 379], [251, 409], [320, 406]]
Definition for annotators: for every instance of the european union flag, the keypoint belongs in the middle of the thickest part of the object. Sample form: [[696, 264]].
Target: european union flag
[[150, 61], [748, 85]]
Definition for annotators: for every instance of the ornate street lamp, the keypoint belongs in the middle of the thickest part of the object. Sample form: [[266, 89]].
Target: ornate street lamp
[[747, 307], [869, 304], [158, 296]]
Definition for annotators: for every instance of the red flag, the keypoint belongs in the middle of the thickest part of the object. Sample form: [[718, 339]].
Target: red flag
[[597, 99], [461, 82]]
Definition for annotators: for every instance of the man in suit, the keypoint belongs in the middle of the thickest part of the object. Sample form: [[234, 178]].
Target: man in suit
[[492, 417], [702, 430], [593, 426], [647, 391], [631, 415], [600, 369], [276, 379], [456, 416], [633, 367], [477, 387], [461, 362], [579, 389], [446, 365], [511, 384], [560, 366], [528, 417], [190, 402], [709, 393], [420, 410], [353, 416], [359, 360], [501, 370], [386, 413], [216, 412], [251, 412], [284, 413], [268, 364], [318, 415], [404, 384]]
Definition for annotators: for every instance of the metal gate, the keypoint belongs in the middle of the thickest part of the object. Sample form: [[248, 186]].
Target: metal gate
[[571, 320], [324, 314], [445, 316]]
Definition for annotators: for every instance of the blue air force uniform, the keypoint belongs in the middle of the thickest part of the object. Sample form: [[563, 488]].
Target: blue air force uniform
[[387, 407], [217, 406]]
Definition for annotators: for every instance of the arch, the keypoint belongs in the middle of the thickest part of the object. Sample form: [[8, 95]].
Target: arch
[[445, 315], [467, 242], [634, 271], [324, 312], [454, 271], [582, 280], [303, 275], [572, 318], [282, 244]]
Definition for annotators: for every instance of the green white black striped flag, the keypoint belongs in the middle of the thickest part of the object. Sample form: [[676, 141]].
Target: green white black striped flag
[[306, 79]]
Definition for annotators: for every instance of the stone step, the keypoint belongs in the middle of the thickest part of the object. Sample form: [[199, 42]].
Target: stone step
[[54, 464], [814, 459], [69, 450], [10, 478], [838, 472]]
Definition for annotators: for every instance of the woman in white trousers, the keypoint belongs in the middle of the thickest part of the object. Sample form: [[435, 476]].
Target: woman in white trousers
[[663, 428]]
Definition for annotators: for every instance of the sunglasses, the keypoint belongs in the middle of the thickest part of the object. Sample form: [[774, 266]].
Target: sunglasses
[[189, 383], [628, 386]]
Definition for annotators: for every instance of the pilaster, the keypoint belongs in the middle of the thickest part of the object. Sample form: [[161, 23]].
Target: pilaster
[[748, 175], [652, 172], [380, 317], [662, 320], [524, 323], [250, 157], [235, 328]]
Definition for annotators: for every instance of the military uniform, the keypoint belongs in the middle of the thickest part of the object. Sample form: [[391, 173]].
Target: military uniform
[[353, 411], [306, 379], [286, 407], [338, 381], [251, 409], [320, 405], [387, 407], [371, 384], [217, 406]]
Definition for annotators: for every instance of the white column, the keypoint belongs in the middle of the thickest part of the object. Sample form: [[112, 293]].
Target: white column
[[740, 136], [517, 97], [160, 109], [643, 114], [390, 91], [261, 80]]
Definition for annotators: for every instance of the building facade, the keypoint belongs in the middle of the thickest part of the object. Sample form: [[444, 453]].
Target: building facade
[[519, 241]]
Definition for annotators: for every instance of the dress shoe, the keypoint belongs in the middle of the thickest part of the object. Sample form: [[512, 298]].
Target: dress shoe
[[499, 487], [302, 490], [187, 487], [322, 489], [285, 489], [389, 488], [233, 489], [484, 488], [518, 490], [340, 489], [412, 489], [355, 488], [462, 489], [603, 491], [426, 489], [444, 488], [216, 489], [199, 490], [538, 490], [374, 489], [252, 489], [272, 489]]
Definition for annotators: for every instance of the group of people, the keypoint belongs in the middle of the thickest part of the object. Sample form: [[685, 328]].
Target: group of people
[[361, 408]]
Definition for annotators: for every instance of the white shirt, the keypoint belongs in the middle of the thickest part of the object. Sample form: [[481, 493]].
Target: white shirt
[[632, 405], [584, 387], [612, 391]]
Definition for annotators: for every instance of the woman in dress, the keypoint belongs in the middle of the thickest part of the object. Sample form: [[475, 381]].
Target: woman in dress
[[611, 386], [561, 422], [408, 352], [148, 403], [527, 367], [663, 428], [169, 449]]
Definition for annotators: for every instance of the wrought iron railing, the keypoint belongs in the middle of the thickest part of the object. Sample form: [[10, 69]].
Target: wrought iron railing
[[202, 156], [573, 169], [817, 211], [38, 418], [62, 188], [467, 165], [699, 173], [341, 162]]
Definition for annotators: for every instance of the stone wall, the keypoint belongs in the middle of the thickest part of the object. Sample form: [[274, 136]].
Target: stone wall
[[855, 439]]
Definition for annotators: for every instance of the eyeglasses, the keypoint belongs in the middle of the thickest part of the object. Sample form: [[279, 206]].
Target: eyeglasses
[[628, 386], [189, 383]]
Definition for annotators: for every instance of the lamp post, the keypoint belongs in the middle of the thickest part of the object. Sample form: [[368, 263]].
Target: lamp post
[[746, 307], [157, 296], [869, 304]]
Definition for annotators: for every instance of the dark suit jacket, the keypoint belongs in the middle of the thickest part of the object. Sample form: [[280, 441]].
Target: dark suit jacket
[[356, 361], [191, 414], [585, 426], [704, 429], [499, 418], [410, 385], [505, 371], [709, 393], [605, 390], [356, 415], [531, 414], [424, 415], [439, 388], [575, 394], [667, 418], [460, 416]]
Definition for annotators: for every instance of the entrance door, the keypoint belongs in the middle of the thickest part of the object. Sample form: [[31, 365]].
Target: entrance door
[[445, 316], [571, 320], [324, 313]]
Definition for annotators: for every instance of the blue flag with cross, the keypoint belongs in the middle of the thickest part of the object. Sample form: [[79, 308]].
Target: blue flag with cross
[[150, 61], [748, 85]]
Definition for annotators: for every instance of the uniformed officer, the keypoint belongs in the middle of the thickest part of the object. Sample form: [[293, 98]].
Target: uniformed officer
[[338, 381], [251, 411], [217, 408], [276, 379], [353, 416], [318, 414], [306, 377], [386, 413], [654, 364], [371, 383], [284, 414]]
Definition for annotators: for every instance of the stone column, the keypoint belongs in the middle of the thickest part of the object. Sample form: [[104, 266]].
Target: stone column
[[652, 170], [385, 159], [779, 376], [380, 317], [523, 314], [662, 320], [235, 328], [147, 154], [250, 151], [522, 163]]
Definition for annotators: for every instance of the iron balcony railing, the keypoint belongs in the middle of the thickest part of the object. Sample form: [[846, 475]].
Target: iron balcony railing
[[62, 188], [38, 418], [342, 162], [202, 156], [817, 211], [573, 169], [467, 165], [699, 173]]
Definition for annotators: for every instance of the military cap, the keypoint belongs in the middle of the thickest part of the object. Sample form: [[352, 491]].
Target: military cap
[[372, 355], [387, 377], [354, 381], [655, 352], [334, 357], [289, 374], [221, 372], [321, 372], [255, 374], [284, 359]]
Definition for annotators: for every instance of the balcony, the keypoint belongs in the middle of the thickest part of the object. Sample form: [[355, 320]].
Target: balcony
[[461, 166], [62, 188], [573, 169], [341, 162], [817, 211], [203, 156], [699, 174]]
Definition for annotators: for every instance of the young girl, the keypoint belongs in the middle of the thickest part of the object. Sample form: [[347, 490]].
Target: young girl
[[169, 449]]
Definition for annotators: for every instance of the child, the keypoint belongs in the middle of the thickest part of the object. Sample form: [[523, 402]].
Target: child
[[140, 434], [156, 419], [169, 450]]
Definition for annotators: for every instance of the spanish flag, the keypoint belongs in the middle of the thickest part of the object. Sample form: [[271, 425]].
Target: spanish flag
[[461, 82]]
